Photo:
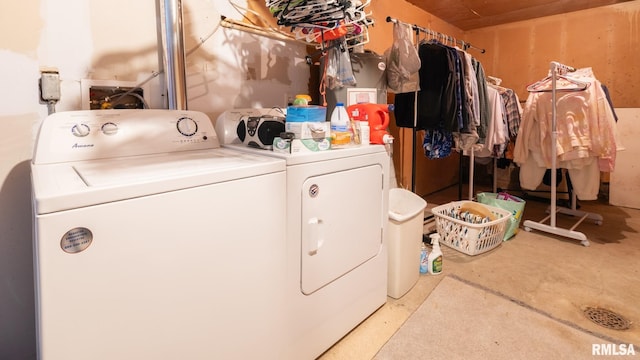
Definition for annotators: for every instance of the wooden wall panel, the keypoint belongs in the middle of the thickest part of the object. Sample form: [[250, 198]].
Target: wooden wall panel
[[607, 39]]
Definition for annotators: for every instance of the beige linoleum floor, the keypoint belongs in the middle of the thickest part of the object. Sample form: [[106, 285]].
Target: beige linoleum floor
[[555, 275]]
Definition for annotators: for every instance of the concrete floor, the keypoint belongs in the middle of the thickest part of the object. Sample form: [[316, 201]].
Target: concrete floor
[[556, 275]]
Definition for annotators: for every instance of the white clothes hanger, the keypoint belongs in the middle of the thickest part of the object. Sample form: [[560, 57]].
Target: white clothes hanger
[[545, 85]]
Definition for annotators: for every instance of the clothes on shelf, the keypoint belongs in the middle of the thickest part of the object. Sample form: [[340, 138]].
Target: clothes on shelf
[[587, 139]]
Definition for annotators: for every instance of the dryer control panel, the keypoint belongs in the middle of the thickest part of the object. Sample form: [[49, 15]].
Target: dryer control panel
[[103, 134]]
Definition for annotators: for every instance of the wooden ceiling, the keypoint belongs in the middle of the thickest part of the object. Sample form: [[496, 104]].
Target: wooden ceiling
[[473, 14]]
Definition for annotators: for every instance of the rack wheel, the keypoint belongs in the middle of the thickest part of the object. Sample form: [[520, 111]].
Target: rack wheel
[[526, 228], [599, 222], [585, 243]]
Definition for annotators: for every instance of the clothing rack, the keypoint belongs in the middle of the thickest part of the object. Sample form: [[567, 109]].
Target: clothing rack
[[465, 45], [556, 70]]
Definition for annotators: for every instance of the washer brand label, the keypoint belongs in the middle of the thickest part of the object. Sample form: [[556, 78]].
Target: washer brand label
[[76, 146], [76, 240]]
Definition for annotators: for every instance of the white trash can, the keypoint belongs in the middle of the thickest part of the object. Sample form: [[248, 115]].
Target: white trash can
[[406, 217]]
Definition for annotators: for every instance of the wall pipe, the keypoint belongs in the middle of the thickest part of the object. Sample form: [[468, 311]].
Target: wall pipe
[[174, 55]]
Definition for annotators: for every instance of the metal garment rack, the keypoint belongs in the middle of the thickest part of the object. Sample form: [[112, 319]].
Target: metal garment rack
[[465, 45], [556, 69]]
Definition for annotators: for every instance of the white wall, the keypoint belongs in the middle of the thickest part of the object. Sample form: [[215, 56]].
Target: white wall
[[116, 40], [624, 184]]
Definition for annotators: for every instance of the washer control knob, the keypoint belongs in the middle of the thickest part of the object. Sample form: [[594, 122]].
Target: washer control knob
[[109, 128], [80, 130], [187, 126]]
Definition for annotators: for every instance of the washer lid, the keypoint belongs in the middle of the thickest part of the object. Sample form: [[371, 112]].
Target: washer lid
[[66, 186], [118, 172]]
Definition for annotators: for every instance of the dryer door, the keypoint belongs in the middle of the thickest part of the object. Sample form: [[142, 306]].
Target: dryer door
[[341, 224]]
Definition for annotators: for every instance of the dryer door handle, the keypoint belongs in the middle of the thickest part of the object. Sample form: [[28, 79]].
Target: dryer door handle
[[314, 237]]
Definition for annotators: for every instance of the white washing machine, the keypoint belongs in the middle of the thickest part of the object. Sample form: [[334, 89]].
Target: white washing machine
[[337, 211], [152, 242]]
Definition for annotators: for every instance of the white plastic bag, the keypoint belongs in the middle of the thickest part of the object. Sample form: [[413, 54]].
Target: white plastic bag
[[339, 71]]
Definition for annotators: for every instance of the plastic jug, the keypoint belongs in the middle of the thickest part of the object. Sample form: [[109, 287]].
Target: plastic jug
[[340, 118], [377, 115]]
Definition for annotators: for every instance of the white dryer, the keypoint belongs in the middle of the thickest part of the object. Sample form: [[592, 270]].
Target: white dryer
[[152, 242], [337, 211]]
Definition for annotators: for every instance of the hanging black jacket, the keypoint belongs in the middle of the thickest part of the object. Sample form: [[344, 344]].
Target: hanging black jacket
[[437, 106]]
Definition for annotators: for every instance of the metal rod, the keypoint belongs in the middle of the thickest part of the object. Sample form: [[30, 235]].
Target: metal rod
[[428, 31], [472, 161], [554, 139], [555, 68]]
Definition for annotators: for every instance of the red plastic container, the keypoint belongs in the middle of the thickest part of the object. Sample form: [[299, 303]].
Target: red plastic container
[[377, 115]]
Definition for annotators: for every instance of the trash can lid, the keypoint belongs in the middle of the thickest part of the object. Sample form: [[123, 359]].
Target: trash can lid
[[404, 204]]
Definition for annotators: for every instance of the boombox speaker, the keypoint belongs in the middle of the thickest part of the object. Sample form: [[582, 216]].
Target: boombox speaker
[[259, 131]]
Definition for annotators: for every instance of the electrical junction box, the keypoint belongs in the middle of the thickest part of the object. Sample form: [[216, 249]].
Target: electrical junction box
[[50, 85], [113, 94]]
